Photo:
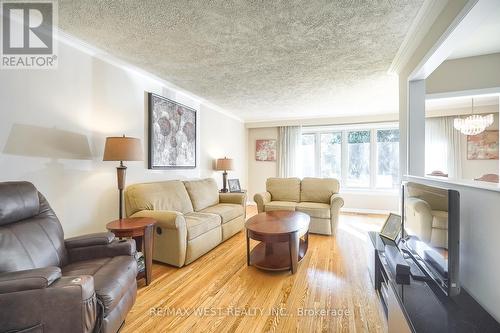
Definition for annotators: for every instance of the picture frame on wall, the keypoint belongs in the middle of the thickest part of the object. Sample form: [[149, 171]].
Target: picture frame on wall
[[392, 227], [265, 150], [483, 146], [172, 131], [234, 185]]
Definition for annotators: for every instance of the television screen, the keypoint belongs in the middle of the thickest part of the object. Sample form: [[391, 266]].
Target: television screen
[[431, 227]]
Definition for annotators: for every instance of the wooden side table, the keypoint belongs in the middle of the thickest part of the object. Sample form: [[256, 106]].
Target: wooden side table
[[141, 230]]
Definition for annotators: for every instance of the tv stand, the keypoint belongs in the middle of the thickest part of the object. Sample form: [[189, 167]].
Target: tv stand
[[420, 306]]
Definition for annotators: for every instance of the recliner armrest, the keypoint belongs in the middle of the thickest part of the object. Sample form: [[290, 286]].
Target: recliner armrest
[[30, 279], [125, 247], [101, 238], [69, 304]]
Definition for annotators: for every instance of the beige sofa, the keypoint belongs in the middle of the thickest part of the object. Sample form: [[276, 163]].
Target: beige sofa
[[317, 197], [193, 217]]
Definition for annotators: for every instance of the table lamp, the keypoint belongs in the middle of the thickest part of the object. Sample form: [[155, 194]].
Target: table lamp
[[122, 149], [224, 164]]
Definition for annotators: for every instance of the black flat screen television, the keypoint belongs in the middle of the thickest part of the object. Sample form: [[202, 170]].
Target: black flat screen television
[[431, 232]]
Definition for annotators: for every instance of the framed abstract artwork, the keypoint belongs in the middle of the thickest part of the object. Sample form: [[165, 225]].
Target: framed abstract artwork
[[483, 146], [172, 134], [265, 150]]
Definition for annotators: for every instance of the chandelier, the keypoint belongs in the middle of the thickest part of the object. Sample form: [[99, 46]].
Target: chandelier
[[473, 124]]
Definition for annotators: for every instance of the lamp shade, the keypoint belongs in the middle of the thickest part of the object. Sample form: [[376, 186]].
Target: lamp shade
[[224, 164], [122, 149]]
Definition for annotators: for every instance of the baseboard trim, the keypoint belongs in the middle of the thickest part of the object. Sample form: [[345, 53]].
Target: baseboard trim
[[366, 211]]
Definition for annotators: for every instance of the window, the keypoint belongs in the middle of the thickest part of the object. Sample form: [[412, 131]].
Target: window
[[308, 153], [362, 157], [358, 167], [387, 158], [330, 154]]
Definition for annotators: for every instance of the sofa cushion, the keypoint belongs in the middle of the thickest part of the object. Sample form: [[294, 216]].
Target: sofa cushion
[[112, 277], [199, 223], [227, 212], [279, 205], [168, 195], [439, 219], [203, 193], [318, 189], [314, 209], [284, 189]]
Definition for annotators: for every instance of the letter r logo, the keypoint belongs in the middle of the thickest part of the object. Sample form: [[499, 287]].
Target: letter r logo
[[27, 27]]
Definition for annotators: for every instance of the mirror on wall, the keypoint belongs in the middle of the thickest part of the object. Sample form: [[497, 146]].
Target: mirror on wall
[[461, 138]]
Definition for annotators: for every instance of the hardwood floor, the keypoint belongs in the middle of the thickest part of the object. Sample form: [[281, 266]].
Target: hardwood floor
[[220, 293]]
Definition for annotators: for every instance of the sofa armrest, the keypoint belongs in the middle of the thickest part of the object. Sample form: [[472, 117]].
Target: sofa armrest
[[125, 247], [101, 238], [30, 279], [336, 202], [261, 199], [166, 218], [233, 198]]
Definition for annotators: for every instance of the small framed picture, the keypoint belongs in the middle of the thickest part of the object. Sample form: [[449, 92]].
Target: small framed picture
[[234, 185], [392, 227]]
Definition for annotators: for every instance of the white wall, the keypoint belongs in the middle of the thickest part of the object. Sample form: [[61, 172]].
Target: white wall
[[371, 201], [479, 246], [478, 72], [54, 123]]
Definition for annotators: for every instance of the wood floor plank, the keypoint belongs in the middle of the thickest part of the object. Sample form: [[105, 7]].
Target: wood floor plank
[[220, 293]]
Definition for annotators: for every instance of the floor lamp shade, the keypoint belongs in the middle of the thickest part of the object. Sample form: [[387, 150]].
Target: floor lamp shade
[[122, 149]]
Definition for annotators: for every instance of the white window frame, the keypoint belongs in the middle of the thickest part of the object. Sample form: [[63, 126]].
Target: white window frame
[[344, 129]]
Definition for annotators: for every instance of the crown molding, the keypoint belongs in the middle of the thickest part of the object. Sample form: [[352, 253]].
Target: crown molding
[[420, 26], [96, 52], [376, 118]]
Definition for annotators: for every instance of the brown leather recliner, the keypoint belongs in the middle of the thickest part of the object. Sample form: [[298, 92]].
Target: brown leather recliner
[[48, 284]]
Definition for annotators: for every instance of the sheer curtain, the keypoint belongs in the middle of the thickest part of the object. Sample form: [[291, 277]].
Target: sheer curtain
[[288, 151], [443, 147]]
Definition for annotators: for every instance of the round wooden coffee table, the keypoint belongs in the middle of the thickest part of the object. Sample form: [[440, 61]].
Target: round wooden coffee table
[[283, 237]]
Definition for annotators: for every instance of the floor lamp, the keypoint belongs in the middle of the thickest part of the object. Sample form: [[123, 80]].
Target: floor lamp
[[122, 149]]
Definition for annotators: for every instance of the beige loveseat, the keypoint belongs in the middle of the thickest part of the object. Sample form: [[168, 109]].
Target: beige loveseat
[[193, 217], [317, 197]]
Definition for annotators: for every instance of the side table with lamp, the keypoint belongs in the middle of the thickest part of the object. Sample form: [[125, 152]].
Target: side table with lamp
[[140, 229]]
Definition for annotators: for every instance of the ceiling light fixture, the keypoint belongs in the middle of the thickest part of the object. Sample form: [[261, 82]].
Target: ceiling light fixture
[[473, 124]]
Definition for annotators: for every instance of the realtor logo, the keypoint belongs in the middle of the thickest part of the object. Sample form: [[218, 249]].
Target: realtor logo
[[28, 34]]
